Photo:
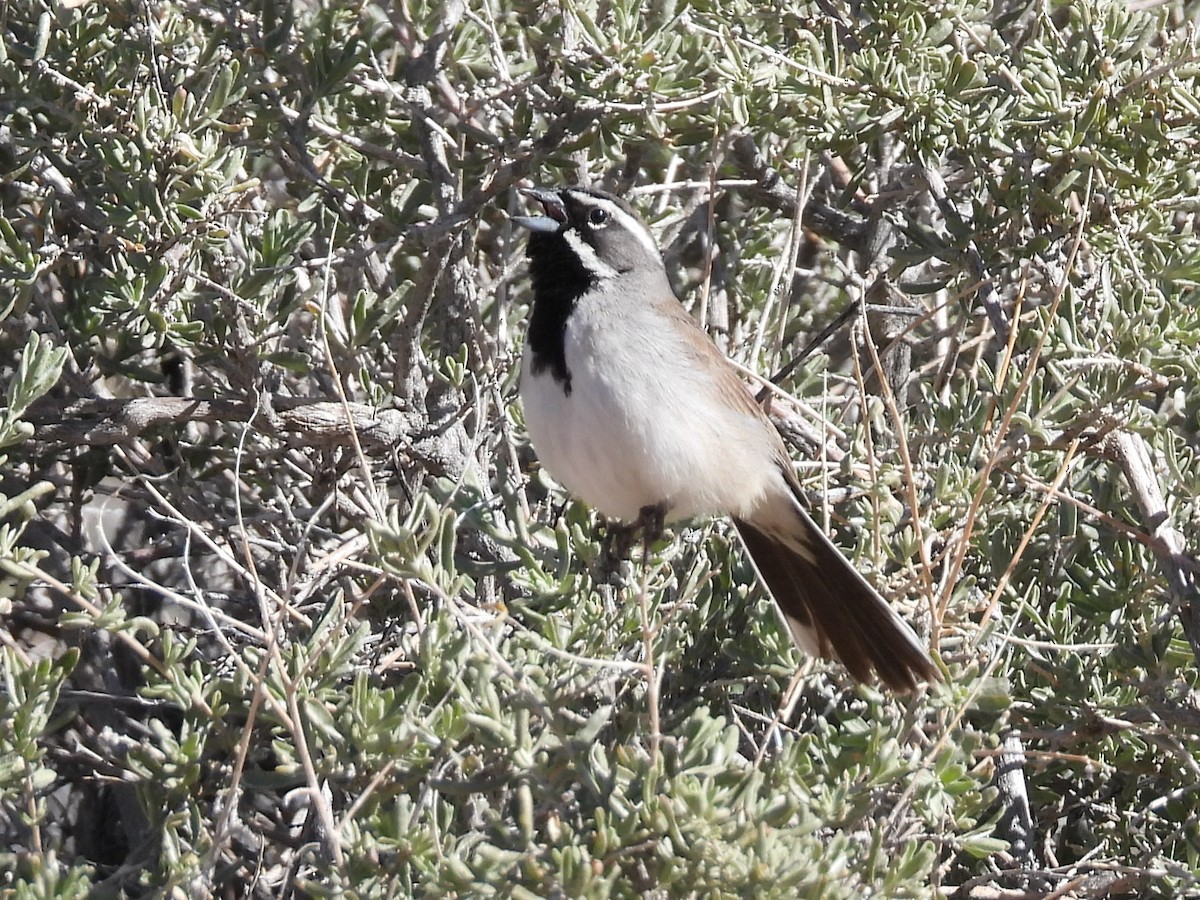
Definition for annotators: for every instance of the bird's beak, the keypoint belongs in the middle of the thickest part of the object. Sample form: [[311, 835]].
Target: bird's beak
[[556, 211]]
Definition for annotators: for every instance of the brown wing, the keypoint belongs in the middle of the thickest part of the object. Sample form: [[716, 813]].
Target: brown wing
[[830, 609]]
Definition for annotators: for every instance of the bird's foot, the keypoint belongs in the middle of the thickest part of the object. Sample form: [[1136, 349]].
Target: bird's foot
[[619, 537], [651, 520], [615, 547]]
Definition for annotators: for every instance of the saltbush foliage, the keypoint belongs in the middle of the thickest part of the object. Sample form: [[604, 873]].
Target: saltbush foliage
[[288, 607]]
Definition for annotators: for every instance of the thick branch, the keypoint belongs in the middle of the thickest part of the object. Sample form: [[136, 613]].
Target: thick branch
[[1016, 819], [986, 286], [1134, 458], [74, 423], [774, 192]]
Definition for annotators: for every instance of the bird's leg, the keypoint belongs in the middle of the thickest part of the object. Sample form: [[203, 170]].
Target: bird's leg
[[618, 541], [618, 537], [651, 520]]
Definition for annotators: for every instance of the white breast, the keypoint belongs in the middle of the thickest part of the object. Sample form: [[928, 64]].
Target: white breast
[[644, 423]]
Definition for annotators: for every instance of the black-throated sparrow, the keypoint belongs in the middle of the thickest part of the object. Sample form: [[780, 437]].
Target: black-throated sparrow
[[632, 407]]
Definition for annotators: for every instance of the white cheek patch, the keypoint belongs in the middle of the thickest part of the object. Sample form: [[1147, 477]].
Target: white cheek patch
[[587, 255]]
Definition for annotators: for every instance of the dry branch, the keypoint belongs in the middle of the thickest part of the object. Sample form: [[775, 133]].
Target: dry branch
[[103, 422], [1133, 455]]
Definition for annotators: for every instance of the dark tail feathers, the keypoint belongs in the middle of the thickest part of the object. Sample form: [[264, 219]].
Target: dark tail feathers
[[830, 608]]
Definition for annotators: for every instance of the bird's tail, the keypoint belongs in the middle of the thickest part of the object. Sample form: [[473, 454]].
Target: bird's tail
[[828, 606]]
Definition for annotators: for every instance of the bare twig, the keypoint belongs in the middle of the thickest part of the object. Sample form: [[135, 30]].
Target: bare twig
[[649, 669], [1006, 418]]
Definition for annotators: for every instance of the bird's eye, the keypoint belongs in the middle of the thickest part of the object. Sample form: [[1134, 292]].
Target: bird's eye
[[598, 216]]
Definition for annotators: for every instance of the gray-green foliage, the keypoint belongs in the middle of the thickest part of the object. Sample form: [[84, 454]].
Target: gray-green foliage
[[291, 656]]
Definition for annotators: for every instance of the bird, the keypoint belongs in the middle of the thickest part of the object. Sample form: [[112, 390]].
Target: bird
[[632, 407]]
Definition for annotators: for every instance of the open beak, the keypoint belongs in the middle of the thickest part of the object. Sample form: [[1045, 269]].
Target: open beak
[[556, 211]]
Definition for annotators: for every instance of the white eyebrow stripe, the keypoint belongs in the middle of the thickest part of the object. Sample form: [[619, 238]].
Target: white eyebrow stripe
[[643, 235], [628, 222]]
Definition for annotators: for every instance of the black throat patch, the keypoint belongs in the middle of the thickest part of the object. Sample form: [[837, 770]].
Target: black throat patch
[[559, 279]]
